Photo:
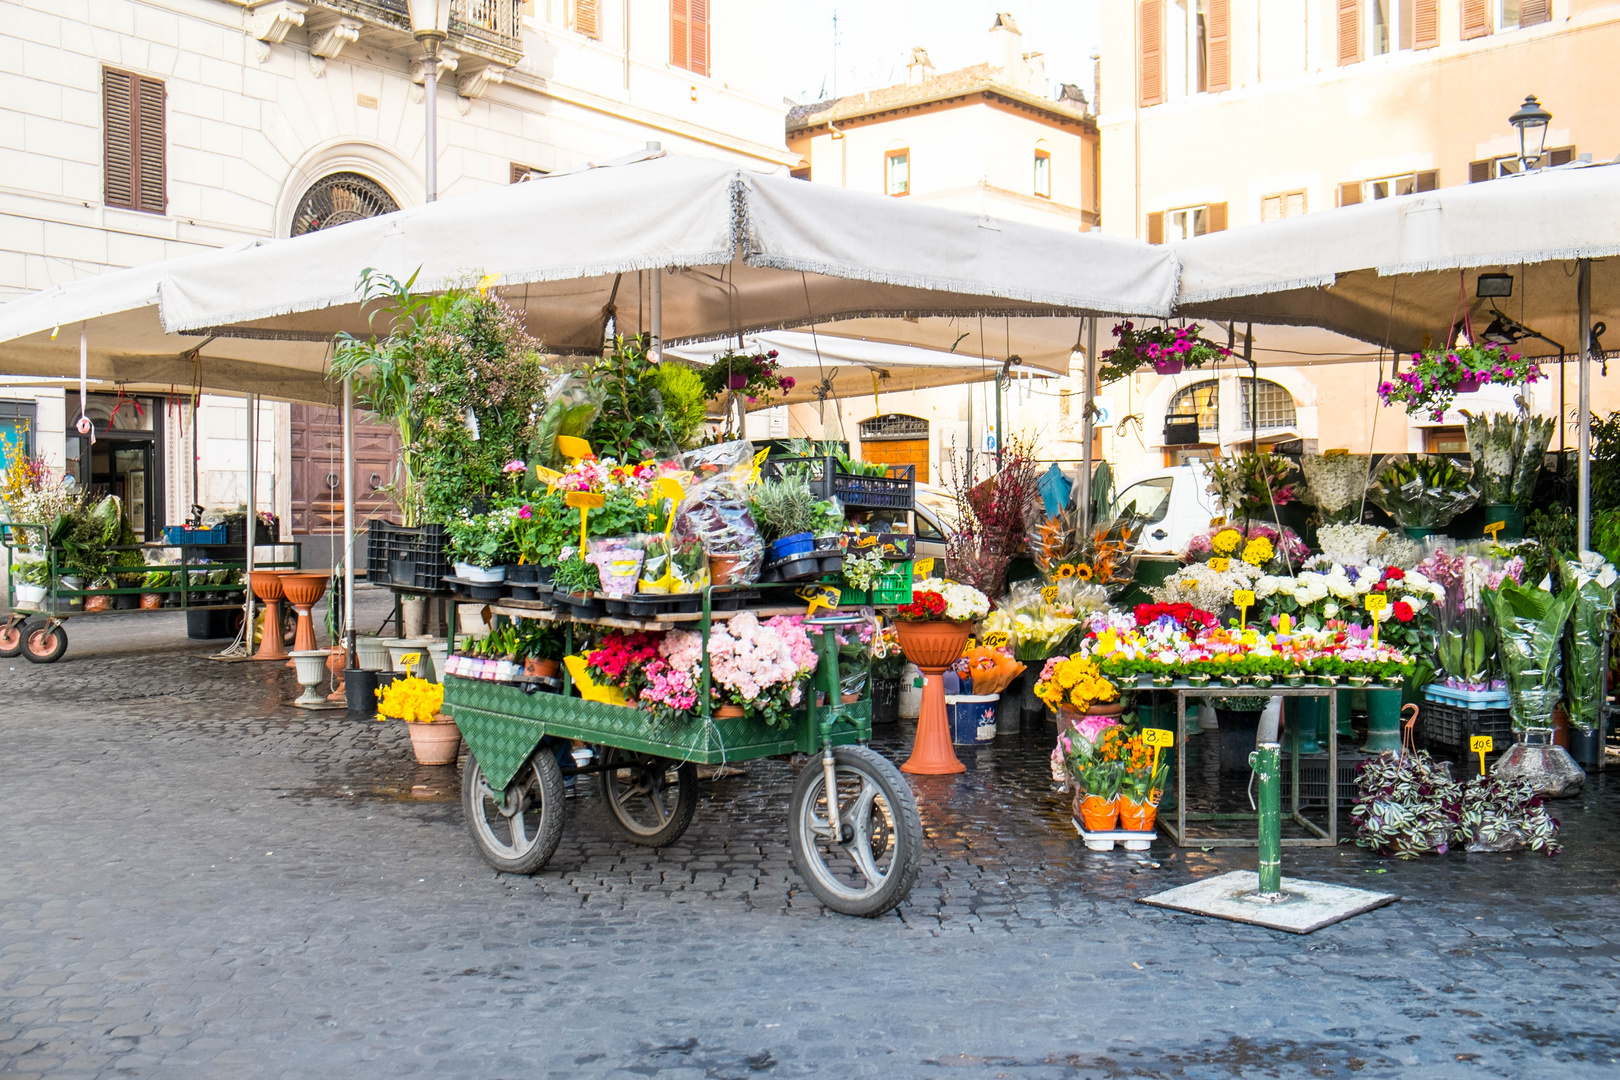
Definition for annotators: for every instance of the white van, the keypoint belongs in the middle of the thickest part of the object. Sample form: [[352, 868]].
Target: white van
[[1170, 506]]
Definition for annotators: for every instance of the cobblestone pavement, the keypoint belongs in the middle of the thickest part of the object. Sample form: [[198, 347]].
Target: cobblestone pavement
[[198, 881]]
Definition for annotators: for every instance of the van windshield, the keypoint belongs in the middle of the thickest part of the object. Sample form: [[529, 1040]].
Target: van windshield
[[1147, 502]]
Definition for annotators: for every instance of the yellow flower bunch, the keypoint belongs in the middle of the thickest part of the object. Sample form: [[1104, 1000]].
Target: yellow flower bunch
[[1226, 541], [1259, 551], [413, 700], [1076, 682]]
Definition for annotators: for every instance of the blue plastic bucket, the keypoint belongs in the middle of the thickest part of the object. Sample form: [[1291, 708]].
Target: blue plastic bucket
[[789, 546], [972, 718]]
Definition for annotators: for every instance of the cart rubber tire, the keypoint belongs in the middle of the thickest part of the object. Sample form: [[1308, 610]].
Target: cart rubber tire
[[45, 644], [11, 639], [892, 828], [539, 784], [663, 819]]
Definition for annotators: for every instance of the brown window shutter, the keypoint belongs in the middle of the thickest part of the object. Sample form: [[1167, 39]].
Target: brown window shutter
[[1428, 180], [1218, 23], [698, 22], [118, 148], [1156, 228], [1215, 218], [1480, 171], [1425, 24], [151, 148], [1150, 65], [1349, 31], [1561, 156], [518, 174], [1534, 12], [1476, 18], [1350, 193], [679, 34], [587, 19]]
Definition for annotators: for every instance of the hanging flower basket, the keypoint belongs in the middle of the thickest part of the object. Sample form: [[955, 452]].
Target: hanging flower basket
[[1436, 377], [1168, 350]]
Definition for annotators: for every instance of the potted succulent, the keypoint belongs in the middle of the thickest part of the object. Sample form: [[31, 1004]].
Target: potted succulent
[[435, 739]]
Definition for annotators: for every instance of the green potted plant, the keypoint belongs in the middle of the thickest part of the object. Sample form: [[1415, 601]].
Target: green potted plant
[[1423, 492]]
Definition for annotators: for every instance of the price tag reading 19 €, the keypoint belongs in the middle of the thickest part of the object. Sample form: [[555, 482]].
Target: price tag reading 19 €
[[1481, 745]]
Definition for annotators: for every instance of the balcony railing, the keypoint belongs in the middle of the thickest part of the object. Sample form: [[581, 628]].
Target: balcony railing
[[490, 28]]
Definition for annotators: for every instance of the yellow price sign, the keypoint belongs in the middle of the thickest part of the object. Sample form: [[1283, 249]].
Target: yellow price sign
[[1220, 565], [586, 501], [1244, 600], [1336, 453], [1158, 737], [1495, 527], [995, 639], [923, 568], [1049, 594], [1217, 522], [1481, 745], [1374, 603], [667, 487], [548, 477], [573, 448], [818, 596], [409, 661]]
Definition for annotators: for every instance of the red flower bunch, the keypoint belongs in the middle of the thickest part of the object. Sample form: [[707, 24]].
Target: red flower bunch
[[924, 607], [1188, 617], [1403, 611], [1394, 573], [622, 653]]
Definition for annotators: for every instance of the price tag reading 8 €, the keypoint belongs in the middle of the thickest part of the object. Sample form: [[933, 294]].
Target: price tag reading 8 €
[[1049, 594], [1158, 737]]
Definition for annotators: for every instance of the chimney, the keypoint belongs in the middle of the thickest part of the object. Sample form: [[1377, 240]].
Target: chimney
[[919, 69], [1035, 72], [1007, 50]]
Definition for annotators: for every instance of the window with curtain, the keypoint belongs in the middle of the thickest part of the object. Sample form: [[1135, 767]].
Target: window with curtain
[[897, 172]]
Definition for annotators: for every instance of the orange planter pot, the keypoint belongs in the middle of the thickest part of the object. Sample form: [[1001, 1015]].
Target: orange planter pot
[[729, 712], [303, 591], [1137, 817], [437, 743], [933, 647], [1098, 815]]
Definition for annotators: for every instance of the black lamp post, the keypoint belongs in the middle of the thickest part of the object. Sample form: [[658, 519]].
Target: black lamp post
[[1531, 120]]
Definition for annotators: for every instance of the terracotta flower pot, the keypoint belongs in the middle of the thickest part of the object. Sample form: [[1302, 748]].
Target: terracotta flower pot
[[97, 603], [540, 669], [437, 743], [1099, 709], [151, 601], [1135, 816], [1097, 814], [723, 569], [932, 644], [729, 712]]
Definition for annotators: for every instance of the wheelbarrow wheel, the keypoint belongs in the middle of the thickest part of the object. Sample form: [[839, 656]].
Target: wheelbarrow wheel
[[649, 799], [872, 868], [11, 638], [519, 835], [45, 644]]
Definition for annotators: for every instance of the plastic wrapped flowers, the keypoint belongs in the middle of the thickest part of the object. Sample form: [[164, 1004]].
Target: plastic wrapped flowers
[[1261, 546], [1075, 682]]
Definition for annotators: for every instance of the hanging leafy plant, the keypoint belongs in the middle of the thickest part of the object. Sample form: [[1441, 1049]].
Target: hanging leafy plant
[[752, 376], [1166, 349], [1436, 377]]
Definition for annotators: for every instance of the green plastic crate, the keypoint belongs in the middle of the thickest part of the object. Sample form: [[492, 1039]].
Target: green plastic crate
[[893, 587]]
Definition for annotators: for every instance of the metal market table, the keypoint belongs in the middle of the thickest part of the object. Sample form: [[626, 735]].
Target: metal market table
[[1319, 837]]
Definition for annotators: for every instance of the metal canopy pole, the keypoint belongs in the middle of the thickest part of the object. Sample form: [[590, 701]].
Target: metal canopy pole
[[1087, 425], [348, 523], [1583, 442], [252, 515]]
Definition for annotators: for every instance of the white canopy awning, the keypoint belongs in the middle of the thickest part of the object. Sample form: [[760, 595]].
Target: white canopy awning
[[835, 368], [1401, 270]]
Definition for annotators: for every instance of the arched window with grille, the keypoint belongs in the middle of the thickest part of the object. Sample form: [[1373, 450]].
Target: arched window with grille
[[1201, 400], [1268, 403]]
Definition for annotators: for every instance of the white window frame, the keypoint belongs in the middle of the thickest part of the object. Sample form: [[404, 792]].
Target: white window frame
[[901, 153]]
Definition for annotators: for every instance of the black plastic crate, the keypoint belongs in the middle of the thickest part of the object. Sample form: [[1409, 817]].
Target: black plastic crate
[[1443, 726], [407, 557], [897, 490], [236, 532], [1313, 788]]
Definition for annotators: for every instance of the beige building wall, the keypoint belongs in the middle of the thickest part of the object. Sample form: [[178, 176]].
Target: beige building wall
[[1296, 121]]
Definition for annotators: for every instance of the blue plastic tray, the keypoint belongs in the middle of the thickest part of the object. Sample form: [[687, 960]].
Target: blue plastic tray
[[1467, 699]]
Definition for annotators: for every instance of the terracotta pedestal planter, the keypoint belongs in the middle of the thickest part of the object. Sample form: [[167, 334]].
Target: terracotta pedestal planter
[[267, 587], [933, 647], [304, 591]]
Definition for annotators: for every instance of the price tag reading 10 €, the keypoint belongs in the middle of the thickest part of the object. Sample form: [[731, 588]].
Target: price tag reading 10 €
[[1049, 594], [994, 638]]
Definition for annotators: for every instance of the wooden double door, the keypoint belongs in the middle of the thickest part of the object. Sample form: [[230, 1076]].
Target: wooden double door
[[317, 469]]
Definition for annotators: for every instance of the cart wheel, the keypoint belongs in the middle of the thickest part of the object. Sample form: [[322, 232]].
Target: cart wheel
[[521, 836], [649, 799], [11, 638], [45, 644], [874, 867]]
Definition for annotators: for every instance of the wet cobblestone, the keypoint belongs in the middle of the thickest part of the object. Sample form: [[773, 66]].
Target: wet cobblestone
[[199, 881]]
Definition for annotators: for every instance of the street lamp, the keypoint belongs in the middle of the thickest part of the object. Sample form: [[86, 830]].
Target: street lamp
[[430, 24], [1531, 120]]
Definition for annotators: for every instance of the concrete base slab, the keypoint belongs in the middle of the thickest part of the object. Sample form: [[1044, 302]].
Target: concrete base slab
[[319, 706], [1305, 905]]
